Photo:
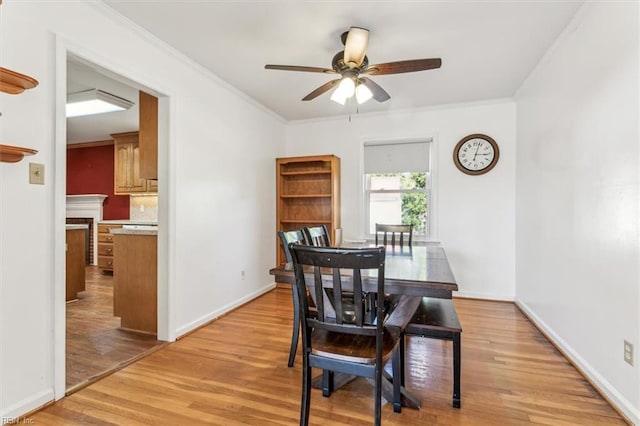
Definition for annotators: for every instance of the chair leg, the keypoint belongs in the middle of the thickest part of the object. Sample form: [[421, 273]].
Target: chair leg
[[296, 326], [327, 383], [378, 398], [306, 392], [401, 351], [397, 366], [456, 370]]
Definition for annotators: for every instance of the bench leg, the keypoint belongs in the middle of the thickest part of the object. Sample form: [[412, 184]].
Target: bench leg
[[327, 383], [456, 370]]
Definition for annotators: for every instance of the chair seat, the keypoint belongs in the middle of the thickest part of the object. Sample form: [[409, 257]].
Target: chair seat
[[350, 347]]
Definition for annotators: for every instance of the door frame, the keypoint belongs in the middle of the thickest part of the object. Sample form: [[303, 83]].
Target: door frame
[[166, 211]]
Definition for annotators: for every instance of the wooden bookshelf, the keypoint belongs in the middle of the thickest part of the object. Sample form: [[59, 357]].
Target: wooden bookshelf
[[308, 194]]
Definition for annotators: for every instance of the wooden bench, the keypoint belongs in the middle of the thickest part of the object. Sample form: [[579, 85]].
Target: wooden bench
[[437, 319]]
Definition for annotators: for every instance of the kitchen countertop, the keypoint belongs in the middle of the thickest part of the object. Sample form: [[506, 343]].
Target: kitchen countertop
[[71, 226], [126, 231], [127, 222]]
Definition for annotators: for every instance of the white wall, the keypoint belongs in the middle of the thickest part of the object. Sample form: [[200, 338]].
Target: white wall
[[577, 196], [218, 185], [475, 214]]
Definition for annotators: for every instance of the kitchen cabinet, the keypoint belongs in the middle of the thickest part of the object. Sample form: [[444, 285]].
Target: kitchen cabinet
[[127, 165], [308, 194], [105, 246], [148, 137], [76, 260], [135, 278]]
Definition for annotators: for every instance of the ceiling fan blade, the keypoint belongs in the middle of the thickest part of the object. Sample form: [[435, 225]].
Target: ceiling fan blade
[[299, 68], [320, 90], [379, 94], [399, 67], [355, 47]]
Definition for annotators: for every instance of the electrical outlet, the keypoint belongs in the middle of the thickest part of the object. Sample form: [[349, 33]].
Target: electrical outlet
[[36, 173], [628, 352]]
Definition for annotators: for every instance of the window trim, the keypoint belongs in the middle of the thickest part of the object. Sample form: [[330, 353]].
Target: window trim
[[432, 186], [367, 202]]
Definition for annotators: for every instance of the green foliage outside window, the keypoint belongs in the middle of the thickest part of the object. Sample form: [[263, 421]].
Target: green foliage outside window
[[414, 205]]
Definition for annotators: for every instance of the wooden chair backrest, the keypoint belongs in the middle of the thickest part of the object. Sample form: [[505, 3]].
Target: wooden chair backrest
[[326, 263], [317, 236], [401, 230], [287, 237]]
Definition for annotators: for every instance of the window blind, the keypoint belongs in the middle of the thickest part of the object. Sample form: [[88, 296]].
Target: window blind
[[396, 157]]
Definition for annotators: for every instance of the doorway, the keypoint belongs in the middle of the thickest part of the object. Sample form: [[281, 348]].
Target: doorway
[[89, 342]]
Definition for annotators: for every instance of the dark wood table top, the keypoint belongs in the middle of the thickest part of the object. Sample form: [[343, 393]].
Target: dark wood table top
[[421, 271]]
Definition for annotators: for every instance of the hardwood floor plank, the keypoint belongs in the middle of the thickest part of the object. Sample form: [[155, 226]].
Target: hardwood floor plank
[[95, 345], [234, 372]]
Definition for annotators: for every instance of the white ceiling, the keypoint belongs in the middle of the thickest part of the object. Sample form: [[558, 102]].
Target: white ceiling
[[82, 76], [488, 48]]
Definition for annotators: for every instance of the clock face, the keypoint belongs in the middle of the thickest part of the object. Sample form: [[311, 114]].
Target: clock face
[[476, 154]]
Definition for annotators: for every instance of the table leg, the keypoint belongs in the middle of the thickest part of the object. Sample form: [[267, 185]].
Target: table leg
[[456, 369]]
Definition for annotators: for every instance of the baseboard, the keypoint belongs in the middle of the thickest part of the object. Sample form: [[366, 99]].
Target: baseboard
[[219, 312], [482, 296], [608, 392], [15, 413]]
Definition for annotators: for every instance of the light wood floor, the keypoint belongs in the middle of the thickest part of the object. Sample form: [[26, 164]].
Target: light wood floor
[[234, 372], [95, 345]]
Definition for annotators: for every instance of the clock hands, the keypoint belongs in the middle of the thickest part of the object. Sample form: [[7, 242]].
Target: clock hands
[[477, 148]]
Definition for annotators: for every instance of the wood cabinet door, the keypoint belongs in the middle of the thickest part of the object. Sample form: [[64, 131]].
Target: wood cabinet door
[[152, 186], [148, 138], [122, 168], [137, 184], [127, 164]]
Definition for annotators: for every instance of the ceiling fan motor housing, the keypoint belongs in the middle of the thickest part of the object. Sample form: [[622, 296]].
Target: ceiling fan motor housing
[[338, 65]]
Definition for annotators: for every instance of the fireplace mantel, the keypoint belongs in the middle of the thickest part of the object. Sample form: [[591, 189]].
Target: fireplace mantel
[[89, 206]]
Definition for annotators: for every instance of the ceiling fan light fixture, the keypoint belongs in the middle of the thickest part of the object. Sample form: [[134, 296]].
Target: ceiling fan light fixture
[[338, 98], [363, 94], [347, 87], [356, 46]]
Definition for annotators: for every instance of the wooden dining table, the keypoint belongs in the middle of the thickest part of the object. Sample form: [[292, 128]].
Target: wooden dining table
[[416, 271], [420, 270]]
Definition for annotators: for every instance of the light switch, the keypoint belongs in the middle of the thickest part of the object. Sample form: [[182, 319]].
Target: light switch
[[36, 173]]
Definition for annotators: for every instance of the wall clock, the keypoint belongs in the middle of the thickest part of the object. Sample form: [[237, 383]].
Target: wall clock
[[476, 154]]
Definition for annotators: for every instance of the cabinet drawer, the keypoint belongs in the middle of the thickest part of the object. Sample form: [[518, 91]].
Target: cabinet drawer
[[103, 228], [105, 249], [105, 238], [105, 262]]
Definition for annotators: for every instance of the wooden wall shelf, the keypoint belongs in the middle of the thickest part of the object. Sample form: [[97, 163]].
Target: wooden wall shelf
[[15, 83], [13, 154]]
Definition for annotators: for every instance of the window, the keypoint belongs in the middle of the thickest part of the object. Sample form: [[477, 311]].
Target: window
[[397, 185]]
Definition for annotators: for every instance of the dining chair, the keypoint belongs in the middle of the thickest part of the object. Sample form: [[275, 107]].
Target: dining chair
[[401, 230], [354, 346], [296, 237], [317, 236]]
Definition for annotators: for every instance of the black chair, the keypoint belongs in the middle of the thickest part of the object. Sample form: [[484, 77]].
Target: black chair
[[317, 236], [353, 347], [297, 237], [401, 230]]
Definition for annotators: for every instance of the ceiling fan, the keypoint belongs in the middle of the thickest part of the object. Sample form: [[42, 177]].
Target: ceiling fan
[[353, 66]]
